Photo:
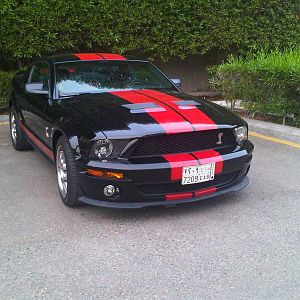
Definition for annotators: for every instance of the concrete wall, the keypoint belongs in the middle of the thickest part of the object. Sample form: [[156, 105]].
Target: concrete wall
[[192, 71]]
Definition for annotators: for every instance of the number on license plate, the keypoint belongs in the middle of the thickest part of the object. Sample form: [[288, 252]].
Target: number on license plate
[[197, 174]]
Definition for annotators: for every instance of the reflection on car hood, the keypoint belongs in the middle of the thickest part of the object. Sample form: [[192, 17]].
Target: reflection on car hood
[[136, 113]]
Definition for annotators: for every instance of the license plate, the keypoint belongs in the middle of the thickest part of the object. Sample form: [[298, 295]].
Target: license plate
[[197, 174]]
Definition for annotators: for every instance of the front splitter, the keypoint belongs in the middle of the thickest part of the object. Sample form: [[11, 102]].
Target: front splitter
[[132, 205]]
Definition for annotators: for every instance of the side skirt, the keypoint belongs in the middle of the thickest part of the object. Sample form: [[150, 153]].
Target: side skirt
[[37, 144]]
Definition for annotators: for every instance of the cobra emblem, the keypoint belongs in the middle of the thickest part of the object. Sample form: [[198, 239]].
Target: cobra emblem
[[220, 136]]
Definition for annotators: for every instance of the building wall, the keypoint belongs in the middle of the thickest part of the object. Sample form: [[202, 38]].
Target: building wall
[[192, 71]]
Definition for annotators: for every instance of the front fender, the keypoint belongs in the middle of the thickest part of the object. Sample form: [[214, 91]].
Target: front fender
[[80, 136]]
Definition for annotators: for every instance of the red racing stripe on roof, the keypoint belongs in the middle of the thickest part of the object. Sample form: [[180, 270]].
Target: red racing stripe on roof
[[112, 56], [167, 118], [88, 56], [193, 114], [99, 56]]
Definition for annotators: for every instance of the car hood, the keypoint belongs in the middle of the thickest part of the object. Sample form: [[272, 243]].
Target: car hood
[[129, 114]]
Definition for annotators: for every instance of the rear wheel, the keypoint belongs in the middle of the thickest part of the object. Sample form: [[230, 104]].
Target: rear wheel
[[18, 138], [67, 175]]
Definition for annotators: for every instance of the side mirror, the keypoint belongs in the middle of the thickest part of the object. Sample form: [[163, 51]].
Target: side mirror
[[176, 82], [36, 88]]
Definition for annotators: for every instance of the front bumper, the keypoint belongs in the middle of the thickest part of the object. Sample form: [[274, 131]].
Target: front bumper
[[235, 188], [146, 184]]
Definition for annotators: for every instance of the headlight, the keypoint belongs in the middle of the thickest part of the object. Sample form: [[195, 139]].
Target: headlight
[[103, 148], [241, 133], [106, 149]]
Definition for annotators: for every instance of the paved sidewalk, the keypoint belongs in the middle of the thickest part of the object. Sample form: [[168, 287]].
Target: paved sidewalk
[[280, 131], [277, 130]]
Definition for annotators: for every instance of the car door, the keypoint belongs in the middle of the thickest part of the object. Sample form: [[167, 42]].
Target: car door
[[36, 118]]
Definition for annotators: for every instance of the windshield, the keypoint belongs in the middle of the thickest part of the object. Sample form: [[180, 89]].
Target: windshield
[[102, 76]]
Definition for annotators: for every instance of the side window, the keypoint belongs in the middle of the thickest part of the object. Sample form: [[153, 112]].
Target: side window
[[40, 73]]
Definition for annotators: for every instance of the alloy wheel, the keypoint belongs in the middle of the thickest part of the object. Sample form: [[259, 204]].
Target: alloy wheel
[[62, 174], [13, 128]]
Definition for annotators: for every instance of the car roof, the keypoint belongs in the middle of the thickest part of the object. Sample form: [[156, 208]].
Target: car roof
[[86, 56]]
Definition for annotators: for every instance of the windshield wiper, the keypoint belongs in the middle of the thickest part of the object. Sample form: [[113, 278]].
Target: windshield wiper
[[79, 94]]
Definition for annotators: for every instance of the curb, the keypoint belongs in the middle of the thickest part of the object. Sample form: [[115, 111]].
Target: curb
[[280, 131], [289, 133], [4, 118]]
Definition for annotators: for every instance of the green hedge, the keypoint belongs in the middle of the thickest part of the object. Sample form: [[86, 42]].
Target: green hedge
[[157, 29], [154, 29], [5, 87], [267, 83]]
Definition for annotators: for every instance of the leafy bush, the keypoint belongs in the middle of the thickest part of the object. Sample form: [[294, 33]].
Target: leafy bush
[[5, 87], [154, 29], [157, 29], [267, 83]]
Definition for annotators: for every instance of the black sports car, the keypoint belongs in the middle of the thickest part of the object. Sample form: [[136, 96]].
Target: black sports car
[[121, 134]]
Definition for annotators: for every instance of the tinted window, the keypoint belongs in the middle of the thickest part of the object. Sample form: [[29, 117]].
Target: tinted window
[[100, 76]]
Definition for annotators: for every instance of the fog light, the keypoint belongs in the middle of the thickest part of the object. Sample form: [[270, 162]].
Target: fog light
[[110, 190]]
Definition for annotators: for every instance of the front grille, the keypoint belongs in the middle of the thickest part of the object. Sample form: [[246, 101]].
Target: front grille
[[177, 187], [156, 145]]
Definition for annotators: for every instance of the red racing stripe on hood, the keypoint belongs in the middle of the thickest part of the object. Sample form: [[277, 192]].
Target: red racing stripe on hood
[[167, 118], [194, 115]]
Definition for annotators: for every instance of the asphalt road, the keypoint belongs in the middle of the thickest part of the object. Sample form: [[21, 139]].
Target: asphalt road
[[244, 245]]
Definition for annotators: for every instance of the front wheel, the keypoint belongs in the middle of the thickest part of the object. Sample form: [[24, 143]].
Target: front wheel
[[67, 175]]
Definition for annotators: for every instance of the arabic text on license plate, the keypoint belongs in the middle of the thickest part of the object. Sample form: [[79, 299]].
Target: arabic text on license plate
[[197, 174]]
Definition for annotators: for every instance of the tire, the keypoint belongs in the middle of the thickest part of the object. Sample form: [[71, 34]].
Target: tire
[[17, 136], [67, 173]]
